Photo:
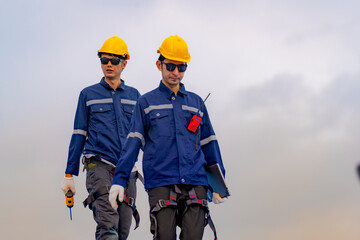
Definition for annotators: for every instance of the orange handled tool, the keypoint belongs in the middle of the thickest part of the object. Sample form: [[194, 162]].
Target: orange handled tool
[[69, 196]]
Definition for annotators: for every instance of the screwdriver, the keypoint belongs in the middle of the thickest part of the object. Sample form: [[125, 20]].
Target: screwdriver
[[69, 196]]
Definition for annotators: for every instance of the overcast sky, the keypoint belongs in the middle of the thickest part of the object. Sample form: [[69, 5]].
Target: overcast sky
[[284, 83]]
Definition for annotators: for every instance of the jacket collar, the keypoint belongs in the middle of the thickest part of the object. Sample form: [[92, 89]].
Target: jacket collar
[[106, 85], [164, 89]]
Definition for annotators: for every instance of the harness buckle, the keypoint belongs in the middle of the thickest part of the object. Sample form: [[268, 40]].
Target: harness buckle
[[162, 203], [130, 201]]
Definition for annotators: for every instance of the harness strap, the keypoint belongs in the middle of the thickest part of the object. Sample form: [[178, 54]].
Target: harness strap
[[130, 201], [211, 225], [204, 204], [93, 196], [160, 205], [140, 177], [172, 203], [94, 161], [105, 190]]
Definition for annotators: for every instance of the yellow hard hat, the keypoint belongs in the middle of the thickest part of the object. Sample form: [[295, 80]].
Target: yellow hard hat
[[115, 45], [175, 48]]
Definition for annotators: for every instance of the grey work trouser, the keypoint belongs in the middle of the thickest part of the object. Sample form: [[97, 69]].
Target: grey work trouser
[[111, 225], [192, 221]]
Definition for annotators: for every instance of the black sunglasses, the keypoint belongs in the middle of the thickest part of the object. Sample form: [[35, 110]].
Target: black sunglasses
[[114, 61], [171, 67]]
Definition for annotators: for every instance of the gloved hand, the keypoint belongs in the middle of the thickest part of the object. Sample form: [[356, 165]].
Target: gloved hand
[[217, 199], [68, 183], [116, 193]]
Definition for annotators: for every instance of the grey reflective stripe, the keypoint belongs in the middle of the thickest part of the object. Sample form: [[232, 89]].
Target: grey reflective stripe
[[102, 159], [105, 100], [138, 135], [192, 109], [153, 107], [128, 101], [107, 162], [79, 131], [207, 140]]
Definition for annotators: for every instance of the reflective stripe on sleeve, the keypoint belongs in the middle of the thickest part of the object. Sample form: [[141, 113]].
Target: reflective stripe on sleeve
[[138, 135], [79, 131], [207, 140], [128, 101], [161, 106], [192, 109], [105, 100]]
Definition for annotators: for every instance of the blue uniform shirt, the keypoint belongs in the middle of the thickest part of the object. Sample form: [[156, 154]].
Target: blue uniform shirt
[[102, 123], [172, 154]]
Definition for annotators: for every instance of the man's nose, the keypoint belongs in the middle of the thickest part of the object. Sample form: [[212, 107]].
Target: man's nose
[[176, 70]]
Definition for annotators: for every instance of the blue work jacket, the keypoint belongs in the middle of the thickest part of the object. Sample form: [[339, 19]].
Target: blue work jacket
[[172, 153], [102, 123]]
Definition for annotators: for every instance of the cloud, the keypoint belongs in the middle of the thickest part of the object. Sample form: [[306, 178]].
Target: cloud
[[284, 103], [291, 155]]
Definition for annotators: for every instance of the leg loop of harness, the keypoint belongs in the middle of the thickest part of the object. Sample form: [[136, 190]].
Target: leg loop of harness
[[130, 201], [162, 203], [204, 204], [172, 202], [94, 195]]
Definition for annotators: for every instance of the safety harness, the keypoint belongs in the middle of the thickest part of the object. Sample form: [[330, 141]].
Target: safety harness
[[130, 201], [172, 202]]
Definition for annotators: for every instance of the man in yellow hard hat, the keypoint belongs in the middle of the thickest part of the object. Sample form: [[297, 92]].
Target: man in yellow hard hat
[[173, 128], [102, 123]]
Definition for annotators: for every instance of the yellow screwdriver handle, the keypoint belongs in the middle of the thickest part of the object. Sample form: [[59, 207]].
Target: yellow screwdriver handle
[[69, 196]]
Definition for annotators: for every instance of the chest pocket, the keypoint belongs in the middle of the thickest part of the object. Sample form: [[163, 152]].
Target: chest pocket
[[98, 108], [160, 124], [128, 110], [102, 115]]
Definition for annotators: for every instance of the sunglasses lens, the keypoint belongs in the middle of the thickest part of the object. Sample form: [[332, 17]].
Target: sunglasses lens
[[104, 60], [182, 68], [171, 67], [114, 61]]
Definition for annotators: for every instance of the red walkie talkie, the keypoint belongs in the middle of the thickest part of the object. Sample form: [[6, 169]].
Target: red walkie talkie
[[195, 120]]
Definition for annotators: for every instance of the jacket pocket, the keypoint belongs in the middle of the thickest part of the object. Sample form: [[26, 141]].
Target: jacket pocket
[[159, 124], [98, 108], [102, 116]]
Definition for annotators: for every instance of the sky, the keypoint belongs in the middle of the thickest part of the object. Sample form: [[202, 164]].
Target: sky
[[284, 103]]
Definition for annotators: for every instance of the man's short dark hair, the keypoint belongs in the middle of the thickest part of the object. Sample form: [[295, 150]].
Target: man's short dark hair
[[161, 58], [114, 55]]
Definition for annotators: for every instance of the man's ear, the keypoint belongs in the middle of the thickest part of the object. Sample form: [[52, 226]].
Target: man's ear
[[158, 64], [124, 64]]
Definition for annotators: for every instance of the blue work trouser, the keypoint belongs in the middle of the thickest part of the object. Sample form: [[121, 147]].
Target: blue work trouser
[[111, 225], [191, 221]]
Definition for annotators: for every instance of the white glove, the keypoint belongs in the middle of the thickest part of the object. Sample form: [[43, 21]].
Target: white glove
[[217, 199], [116, 192], [68, 183]]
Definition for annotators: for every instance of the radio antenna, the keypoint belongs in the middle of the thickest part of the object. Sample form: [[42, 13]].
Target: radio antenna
[[202, 104]]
